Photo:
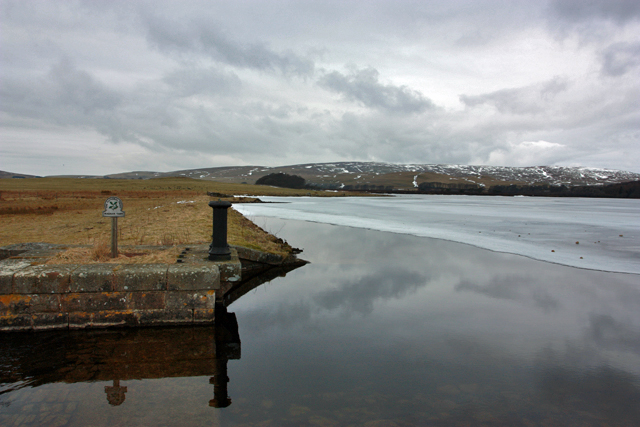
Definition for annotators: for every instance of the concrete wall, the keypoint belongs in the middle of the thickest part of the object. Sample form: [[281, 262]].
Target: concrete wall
[[37, 296]]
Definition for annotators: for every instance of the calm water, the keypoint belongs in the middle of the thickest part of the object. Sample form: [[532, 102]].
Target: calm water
[[380, 329]]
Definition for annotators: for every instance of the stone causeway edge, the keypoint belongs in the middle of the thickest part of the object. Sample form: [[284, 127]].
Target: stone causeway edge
[[39, 296]]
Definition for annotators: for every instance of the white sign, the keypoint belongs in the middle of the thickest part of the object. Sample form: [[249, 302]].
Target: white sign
[[113, 208]]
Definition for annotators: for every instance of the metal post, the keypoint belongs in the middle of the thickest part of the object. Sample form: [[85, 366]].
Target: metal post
[[219, 249], [114, 237]]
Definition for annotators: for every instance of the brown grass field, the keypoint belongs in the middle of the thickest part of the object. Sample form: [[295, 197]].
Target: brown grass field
[[164, 211]]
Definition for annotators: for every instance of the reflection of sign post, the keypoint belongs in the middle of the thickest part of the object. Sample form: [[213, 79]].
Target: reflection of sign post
[[113, 209], [115, 394]]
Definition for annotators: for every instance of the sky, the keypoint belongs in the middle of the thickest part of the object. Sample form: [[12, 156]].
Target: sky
[[100, 87]]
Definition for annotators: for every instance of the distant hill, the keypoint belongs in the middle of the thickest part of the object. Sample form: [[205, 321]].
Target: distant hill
[[4, 175], [369, 175], [399, 177]]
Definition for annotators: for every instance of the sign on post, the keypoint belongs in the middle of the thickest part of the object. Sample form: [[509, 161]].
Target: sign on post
[[113, 209]]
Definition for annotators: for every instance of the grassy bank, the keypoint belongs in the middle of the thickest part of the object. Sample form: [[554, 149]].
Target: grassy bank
[[165, 211]]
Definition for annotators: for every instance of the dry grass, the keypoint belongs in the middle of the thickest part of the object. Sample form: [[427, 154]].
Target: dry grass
[[53, 187], [157, 213], [101, 253]]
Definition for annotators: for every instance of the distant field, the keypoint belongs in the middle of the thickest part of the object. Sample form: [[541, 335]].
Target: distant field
[[163, 211], [184, 185]]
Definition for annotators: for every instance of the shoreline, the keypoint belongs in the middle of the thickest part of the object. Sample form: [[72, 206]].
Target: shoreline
[[543, 230]]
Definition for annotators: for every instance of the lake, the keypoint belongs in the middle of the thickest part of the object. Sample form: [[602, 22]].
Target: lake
[[380, 329]]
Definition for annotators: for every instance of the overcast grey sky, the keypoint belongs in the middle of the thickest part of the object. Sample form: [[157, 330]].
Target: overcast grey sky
[[97, 87]]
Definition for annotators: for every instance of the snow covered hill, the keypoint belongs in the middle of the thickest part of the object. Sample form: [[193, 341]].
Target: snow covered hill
[[398, 176], [410, 175]]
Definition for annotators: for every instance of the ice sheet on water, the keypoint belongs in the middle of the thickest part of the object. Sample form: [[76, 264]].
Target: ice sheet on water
[[599, 234]]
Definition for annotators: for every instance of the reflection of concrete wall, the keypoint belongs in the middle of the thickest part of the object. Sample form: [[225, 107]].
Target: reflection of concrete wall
[[150, 353], [231, 292], [122, 354]]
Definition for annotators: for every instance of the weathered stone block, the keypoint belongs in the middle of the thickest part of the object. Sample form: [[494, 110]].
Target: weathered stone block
[[147, 300], [93, 278], [190, 299], [94, 302], [25, 281], [204, 315], [43, 321], [258, 256], [114, 318], [79, 320], [140, 277], [43, 279], [192, 277], [19, 248], [14, 304], [9, 251], [230, 271], [8, 268], [45, 303], [165, 317], [17, 322]]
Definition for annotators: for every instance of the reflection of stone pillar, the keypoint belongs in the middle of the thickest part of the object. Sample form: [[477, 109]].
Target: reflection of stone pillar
[[220, 380], [115, 394], [227, 346]]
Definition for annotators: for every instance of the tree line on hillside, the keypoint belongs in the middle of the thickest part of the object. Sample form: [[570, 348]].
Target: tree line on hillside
[[282, 180], [294, 181], [622, 190]]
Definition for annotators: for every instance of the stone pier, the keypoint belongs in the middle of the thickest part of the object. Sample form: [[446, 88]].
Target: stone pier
[[39, 296]]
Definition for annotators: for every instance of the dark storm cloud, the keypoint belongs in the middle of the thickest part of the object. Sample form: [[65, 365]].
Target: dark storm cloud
[[64, 95], [155, 114], [525, 100], [620, 58], [194, 36], [282, 83], [207, 81], [581, 10], [364, 87], [79, 90]]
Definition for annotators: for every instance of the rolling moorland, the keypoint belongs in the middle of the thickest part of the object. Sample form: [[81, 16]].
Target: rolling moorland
[[160, 211], [171, 208], [369, 176]]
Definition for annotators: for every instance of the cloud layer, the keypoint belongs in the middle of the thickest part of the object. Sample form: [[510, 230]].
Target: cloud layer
[[102, 87]]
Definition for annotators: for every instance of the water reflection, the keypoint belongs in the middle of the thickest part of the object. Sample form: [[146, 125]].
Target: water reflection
[[115, 393], [121, 356], [227, 346], [425, 332], [381, 329]]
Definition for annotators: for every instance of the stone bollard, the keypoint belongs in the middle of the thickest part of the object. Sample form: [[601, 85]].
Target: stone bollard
[[219, 249]]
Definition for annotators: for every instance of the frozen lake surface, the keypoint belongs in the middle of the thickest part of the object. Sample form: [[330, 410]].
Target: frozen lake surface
[[598, 234]]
